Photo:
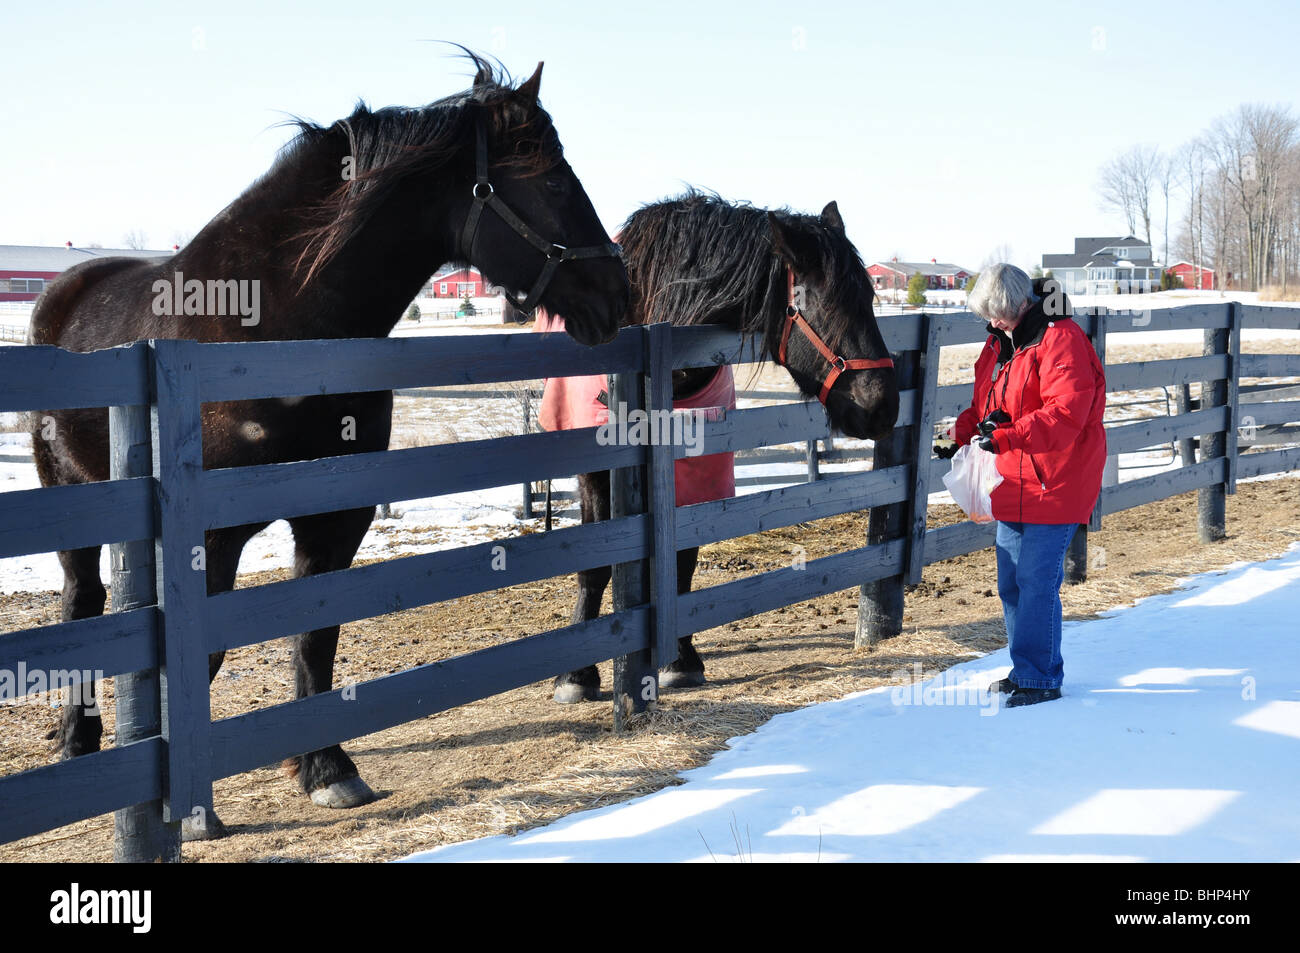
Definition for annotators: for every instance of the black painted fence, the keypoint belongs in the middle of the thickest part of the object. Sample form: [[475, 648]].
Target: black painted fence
[[155, 509]]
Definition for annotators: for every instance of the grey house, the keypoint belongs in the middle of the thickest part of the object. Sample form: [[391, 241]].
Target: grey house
[[1105, 265]]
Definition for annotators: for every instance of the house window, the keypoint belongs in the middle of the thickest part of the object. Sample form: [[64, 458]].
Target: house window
[[26, 285], [442, 288]]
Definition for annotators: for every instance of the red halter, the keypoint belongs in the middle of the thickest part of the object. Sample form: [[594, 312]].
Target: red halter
[[794, 317]]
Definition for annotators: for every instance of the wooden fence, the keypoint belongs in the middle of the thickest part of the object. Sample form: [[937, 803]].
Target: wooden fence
[[160, 501]]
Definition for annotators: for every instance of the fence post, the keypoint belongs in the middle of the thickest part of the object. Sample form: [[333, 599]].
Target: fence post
[[633, 673], [1234, 383], [880, 602], [663, 502], [923, 440], [139, 833], [814, 471], [1076, 556], [181, 561], [1211, 501], [528, 428], [1183, 405], [1110, 474]]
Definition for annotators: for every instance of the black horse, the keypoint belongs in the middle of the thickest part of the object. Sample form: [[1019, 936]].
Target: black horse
[[795, 280], [333, 242]]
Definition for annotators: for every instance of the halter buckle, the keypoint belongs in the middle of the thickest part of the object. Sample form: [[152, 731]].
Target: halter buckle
[[482, 196], [556, 252], [839, 364]]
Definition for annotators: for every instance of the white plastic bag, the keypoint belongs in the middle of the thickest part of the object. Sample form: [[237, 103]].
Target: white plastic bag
[[971, 481]]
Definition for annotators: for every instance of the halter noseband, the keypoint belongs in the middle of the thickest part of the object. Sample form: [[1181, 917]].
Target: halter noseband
[[794, 318], [485, 195]]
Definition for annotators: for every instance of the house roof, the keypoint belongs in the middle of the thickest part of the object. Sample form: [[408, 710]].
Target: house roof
[[1094, 261], [924, 267], [1189, 265], [1087, 245], [59, 258]]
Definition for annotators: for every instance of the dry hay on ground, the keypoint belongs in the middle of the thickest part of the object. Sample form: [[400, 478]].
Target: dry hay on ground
[[517, 760]]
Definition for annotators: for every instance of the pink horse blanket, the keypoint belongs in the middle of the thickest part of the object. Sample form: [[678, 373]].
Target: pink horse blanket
[[572, 402]]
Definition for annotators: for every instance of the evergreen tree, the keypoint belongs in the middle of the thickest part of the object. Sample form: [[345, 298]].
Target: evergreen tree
[[916, 289]]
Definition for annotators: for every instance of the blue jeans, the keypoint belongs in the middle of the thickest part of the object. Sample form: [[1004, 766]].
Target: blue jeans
[[1031, 568]]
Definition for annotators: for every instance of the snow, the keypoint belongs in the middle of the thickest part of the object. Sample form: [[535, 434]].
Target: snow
[[1175, 741]]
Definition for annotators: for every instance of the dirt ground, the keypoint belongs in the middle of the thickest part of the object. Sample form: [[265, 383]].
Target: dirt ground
[[517, 760]]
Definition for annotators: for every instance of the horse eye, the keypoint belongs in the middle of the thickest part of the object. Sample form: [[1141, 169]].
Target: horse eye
[[555, 183]]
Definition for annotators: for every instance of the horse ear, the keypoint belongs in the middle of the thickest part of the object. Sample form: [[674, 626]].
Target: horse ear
[[527, 91], [831, 216], [797, 249]]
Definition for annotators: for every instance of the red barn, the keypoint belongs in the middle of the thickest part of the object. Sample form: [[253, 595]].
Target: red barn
[[454, 284], [894, 274], [1188, 273]]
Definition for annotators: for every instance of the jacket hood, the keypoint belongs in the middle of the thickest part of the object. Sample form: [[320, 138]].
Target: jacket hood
[[1052, 304]]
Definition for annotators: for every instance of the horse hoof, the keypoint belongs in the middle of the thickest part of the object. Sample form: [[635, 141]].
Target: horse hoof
[[203, 825], [347, 793], [571, 693], [681, 679]]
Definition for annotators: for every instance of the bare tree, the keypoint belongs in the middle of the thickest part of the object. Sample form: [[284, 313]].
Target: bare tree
[[998, 255], [1116, 192], [1126, 183], [1191, 162], [1166, 175], [135, 239], [1252, 150]]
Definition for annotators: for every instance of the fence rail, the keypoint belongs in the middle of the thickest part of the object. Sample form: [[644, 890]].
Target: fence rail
[[160, 503]]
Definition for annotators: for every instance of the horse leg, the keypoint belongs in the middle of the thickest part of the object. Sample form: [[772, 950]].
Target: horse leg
[[688, 668], [222, 548], [323, 544], [81, 728], [584, 684]]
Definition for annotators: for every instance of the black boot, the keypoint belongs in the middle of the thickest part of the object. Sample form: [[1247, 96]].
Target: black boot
[[1003, 686], [1032, 696]]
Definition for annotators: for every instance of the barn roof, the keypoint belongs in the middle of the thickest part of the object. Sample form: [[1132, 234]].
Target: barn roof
[[59, 258], [924, 267]]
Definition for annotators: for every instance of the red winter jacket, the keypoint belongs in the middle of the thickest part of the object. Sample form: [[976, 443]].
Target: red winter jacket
[[1051, 384]]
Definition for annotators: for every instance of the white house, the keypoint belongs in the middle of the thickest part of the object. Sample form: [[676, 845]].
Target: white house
[[1104, 265]]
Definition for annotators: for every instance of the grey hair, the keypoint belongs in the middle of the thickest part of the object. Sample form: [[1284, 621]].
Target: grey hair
[[1003, 292]]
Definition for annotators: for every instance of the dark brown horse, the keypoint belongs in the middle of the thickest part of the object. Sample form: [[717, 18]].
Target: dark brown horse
[[332, 242], [789, 280]]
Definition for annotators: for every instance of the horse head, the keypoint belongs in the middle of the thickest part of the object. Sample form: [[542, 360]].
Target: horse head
[[529, 225], [827, 337]]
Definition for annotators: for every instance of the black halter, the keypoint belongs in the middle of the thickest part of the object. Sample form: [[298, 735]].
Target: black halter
[[485, 195]]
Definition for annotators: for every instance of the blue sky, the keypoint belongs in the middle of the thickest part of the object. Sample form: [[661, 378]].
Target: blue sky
[[943, 131]]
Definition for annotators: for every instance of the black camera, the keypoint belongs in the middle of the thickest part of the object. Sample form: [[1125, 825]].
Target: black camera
[[993, 421]]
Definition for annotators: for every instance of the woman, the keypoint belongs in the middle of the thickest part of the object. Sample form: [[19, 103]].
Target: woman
[[1040, 393]]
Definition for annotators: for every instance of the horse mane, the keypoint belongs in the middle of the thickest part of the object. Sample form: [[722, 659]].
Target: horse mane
[[389, 145], [699, 259]]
